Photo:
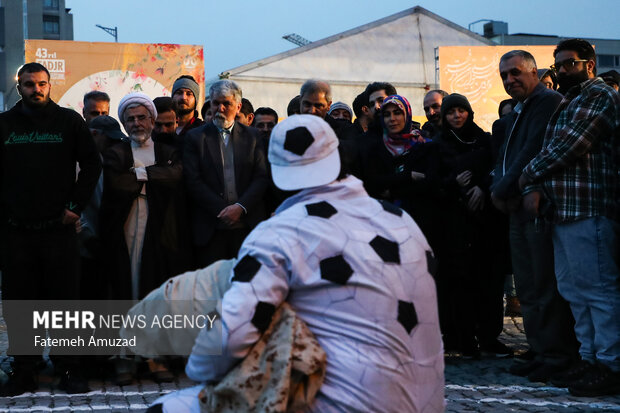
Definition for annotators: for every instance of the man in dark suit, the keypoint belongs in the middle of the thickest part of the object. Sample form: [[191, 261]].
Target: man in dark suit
[[225, 173], [546, 315]]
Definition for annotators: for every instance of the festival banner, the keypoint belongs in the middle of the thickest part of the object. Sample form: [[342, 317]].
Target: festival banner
[[473, 71], [76, 68]]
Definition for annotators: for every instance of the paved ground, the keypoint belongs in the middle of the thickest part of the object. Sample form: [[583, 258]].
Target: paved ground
[[471, 386]]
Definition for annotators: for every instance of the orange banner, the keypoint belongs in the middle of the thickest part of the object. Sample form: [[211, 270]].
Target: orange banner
[[473, 71], [77, 68]]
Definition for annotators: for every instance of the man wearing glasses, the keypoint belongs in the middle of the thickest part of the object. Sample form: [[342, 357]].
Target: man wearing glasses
[[140, 207], [579, 170]]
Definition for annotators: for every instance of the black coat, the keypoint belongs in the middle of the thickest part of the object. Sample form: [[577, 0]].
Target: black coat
[[388, 177], [167, 244], [526, 140], [204, 177]]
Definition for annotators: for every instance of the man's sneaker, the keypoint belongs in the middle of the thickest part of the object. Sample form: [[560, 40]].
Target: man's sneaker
[[73, 383], [495, 348], [19, 382], [599, 381], [524, 368], [574, 373], [545, 372]]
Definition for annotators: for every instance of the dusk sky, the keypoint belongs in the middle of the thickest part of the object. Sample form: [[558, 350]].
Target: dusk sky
[[236, 32]]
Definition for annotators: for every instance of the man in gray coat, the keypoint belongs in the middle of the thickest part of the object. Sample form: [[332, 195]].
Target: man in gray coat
[[547, 318]]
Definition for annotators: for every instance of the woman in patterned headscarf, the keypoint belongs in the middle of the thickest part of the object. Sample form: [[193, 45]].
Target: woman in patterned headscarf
[[402, 167]]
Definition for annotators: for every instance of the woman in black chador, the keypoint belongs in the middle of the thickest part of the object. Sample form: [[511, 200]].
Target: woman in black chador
[[470, 282]]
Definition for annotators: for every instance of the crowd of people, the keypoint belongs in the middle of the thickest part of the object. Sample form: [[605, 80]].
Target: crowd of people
[[536, 201]]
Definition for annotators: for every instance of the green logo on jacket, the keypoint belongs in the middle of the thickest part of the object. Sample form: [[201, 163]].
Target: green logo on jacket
[[33, 137]]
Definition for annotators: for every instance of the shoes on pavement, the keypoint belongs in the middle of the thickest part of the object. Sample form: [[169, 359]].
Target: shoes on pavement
[[469, 350], [529, 355], [72, 383], [158, 372], [544, 372], [574, 373], [123, 379], [599, 381], [524, 368], [495, 348], [513, 307], [20, 381]]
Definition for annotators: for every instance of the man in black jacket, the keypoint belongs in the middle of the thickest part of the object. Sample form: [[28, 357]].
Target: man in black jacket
[[226, 178], [41, 203], [546, 316]]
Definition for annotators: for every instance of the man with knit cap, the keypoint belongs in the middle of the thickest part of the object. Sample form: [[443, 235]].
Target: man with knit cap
[[321, 253], [185, 93], [340, 110]]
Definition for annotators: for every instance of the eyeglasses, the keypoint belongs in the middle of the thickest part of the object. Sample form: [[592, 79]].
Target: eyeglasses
[[138, 119], [566, 64]]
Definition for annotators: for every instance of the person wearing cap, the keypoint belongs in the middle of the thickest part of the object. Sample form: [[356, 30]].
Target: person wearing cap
[[225, 176], [185, 93], [41, 203], [547, 78], [612, 78], [356, 270], [340, 110]]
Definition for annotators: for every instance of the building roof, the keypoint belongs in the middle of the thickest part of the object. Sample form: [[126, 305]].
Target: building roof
[[357, 30]]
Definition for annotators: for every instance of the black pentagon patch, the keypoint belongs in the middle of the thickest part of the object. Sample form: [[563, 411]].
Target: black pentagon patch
[[407, 315], [298, 140], [262, 316], [321, 209], [246, 269], [386, 249], [336, 270], [391, 208], [431, 263]]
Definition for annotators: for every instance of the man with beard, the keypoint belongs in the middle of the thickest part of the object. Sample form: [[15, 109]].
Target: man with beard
[[264, 120], [41, 203], [546, 315], [377, 92], [166, 122], [578, 169], [141, 208], [185, 93], [226, 178], [432, 109]]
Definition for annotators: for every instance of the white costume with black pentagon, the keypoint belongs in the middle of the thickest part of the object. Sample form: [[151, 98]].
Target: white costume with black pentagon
[[356, 271]]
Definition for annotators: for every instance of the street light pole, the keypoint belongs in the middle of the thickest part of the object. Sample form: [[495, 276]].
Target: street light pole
[[111, 31]]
